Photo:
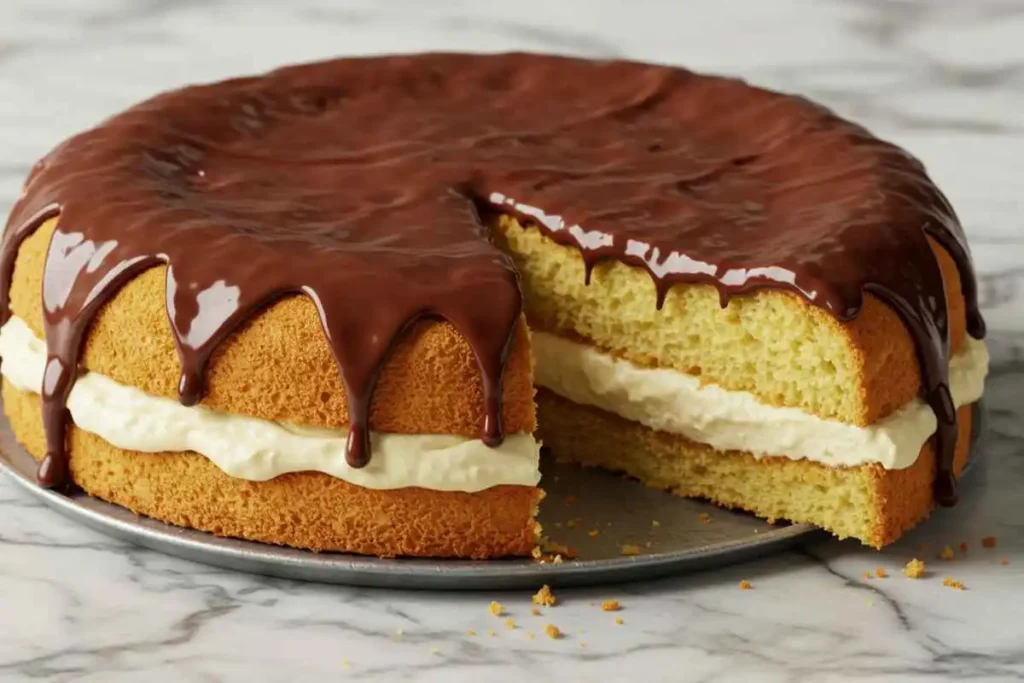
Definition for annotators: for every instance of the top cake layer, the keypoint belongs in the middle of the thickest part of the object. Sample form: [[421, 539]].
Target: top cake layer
[[362, 182]]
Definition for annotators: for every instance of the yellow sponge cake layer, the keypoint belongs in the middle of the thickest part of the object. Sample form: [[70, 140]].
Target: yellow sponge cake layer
[[867, 502], [279, 366], [771, 343], [303, 509]]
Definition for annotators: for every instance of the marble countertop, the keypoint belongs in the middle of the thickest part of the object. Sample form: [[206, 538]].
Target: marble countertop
[[944, 79]]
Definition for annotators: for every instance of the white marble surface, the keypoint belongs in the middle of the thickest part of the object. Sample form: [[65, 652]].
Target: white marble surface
[[943, 78]]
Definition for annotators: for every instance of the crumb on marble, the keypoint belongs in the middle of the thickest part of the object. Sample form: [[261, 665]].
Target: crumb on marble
[[535, 612], [705, 518], [582, 644], [399, 632], [914, 569], [345, 663], [1004, 562], [881, 573], [988, 542], [495, 609], [434, 651], [950, 582], [947, 553], [745, 585], [470, 632], [611, 606], [630, 549], [619, 621], [510, 623], [529, 634], [868, 575], [491, 633], [544, 596], [552, 632]]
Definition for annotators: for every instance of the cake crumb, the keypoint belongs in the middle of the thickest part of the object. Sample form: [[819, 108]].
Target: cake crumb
[[582, 644], [619, 621], [529, 634], [537, 553], [570, 524], [745, 585], [544, 597], [558, 525], [988, 542], [552, 632], [648, 544], [593, 533], [947, 553], [345, 663], [611, 606], [553, 547], [914, 569], [963, 547], [510, 623], [868, 575], [470, 632], [535, 612], [496, 609], [655, 523], [434, 651], [491, 633], [869, 603], [399, 632], [630, 549], [558, 559], [1004, 562], [705, 518], [880, 573], [950, 582]]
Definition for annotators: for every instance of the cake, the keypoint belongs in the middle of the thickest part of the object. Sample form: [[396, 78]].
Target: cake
[[311, 308]]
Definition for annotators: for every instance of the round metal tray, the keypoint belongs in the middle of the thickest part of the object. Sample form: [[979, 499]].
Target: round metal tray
[[672, 534]]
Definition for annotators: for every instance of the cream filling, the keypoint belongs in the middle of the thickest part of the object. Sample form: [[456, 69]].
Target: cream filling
[[256, 449], [675, 402]]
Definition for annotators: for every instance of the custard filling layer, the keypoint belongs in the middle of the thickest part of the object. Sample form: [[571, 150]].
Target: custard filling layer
[[675, 402], [257, 449]]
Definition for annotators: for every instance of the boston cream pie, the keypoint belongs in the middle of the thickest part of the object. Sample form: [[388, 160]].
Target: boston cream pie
[[310, 307]]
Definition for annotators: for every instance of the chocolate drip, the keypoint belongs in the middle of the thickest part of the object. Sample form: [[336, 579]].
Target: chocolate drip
[[360, 184]]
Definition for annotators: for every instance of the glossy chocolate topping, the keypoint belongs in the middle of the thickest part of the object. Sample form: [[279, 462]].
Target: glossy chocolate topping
[[360, 183]]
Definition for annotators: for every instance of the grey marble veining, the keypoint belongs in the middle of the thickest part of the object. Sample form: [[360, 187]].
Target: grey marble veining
[[944, 79]]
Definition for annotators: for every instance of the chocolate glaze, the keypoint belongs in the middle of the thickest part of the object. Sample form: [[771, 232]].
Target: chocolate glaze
[[359, 182]]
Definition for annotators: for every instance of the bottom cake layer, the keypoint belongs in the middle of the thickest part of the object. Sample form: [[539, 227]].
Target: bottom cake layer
[[866, 502], [304, 510]]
